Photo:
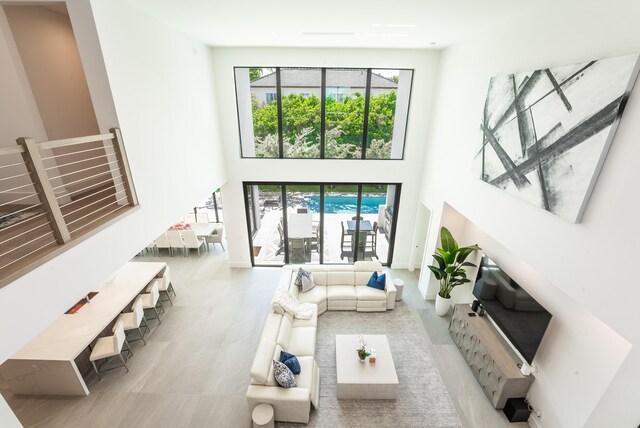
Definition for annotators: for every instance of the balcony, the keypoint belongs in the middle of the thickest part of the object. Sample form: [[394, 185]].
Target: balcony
[[54, 194]]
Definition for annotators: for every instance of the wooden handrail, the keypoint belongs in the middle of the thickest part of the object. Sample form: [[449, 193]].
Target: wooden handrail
[[106, 196], [11, 150], [72, 141]]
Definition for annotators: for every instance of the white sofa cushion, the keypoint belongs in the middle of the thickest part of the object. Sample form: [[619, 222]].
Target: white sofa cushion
[[340, 278], [262, 361], [317, 295], [284, 335], [319, 277], [313, 322], [342, 305], [365, 292], [368, 266], [341, 292], [362, 278], [305, 378], [272, 326], [303, 341]]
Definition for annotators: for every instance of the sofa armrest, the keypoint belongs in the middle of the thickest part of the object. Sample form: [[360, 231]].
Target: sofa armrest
[[390, 289], [289, 404]]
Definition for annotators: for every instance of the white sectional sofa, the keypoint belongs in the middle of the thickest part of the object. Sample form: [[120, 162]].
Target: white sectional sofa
[[337, 288]]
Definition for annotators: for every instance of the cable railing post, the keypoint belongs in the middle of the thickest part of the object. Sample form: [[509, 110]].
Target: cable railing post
[[123, 162], [33, 162]]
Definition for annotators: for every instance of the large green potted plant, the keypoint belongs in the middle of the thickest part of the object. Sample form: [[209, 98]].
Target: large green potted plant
[[450, 268]]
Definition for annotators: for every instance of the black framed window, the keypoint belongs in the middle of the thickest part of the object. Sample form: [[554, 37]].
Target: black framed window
[[331, 113], [320, 223]]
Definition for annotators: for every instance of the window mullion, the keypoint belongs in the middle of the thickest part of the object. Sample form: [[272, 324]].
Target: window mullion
[[365, 127], [279, 106], [323, 99]]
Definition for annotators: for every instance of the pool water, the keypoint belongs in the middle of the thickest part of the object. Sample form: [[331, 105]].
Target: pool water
[[345, 204]]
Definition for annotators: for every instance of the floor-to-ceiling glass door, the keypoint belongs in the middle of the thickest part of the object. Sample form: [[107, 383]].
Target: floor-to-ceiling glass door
[[264, 206], [331, 223], [303, 223]]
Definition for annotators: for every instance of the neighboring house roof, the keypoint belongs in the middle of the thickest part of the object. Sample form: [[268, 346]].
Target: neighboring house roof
[[310, 77]]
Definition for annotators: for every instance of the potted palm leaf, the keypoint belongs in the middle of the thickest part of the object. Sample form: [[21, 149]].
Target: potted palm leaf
[[450, 268]]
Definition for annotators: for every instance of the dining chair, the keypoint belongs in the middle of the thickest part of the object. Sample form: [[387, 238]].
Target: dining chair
[[345, 238], [190, 218], [175, 241], [356, 217], [281, 243], [162, 242], [302, 211], [191, 241], [215, 237], [297, 250], [133, 320], [164, 285], [150, 301], [110, 346]]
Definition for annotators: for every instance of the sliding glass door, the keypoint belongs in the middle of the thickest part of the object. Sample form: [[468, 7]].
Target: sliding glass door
[[332, 223]]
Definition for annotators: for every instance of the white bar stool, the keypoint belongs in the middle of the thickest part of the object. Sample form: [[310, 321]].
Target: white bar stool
[[262, 416]]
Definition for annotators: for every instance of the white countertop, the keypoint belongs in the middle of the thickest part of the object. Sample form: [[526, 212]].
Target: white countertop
[[69, 335]]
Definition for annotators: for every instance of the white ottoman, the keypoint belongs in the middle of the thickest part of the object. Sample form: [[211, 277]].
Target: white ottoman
[[399, 286], [262, 416]]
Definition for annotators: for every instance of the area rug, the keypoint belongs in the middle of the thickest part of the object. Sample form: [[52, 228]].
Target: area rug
[[423, 400]]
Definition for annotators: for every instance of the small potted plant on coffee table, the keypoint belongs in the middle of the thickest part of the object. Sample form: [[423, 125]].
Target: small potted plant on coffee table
[[362, 350]]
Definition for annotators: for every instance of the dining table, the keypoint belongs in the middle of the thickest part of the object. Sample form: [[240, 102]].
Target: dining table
[[203, 229]]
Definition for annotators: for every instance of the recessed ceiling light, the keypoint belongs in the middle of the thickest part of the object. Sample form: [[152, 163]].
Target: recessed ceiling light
[[400, 25], [328, 33], [394, 35], [376, 25]]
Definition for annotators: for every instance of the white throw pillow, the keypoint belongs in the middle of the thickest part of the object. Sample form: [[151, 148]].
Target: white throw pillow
[[307, 283]]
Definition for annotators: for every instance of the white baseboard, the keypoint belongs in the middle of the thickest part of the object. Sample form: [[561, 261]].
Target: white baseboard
[[399, 266], [534, 422], [240, 265]]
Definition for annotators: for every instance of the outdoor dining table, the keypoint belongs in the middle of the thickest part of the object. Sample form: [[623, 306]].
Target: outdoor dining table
[[365, 226]]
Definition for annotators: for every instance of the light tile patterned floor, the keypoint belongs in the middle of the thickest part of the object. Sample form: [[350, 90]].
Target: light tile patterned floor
[[195, 369]]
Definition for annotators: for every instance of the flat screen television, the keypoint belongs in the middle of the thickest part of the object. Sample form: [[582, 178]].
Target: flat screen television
[[519, 316]]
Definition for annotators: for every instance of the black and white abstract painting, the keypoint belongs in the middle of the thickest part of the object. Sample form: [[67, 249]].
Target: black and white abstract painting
[[546, 133]]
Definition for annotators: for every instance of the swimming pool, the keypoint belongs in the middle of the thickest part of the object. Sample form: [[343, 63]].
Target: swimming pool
[[345, 204]]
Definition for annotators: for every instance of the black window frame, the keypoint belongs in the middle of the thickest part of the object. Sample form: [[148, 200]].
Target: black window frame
[[323, 94], [322, 185]]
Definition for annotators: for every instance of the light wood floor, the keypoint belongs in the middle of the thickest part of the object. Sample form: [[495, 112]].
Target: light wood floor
[[194, 370]]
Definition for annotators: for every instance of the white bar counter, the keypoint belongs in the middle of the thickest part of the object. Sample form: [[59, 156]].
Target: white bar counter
[[46, 365]]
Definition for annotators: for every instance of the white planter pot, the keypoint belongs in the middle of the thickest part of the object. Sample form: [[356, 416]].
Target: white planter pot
[[442, 305]]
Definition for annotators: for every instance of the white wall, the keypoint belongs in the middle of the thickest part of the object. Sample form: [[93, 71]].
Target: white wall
[[407, 171], [589, 363], [163, 90]]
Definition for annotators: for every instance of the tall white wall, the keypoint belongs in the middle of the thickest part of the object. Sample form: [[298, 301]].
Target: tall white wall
[[163, 91], [583, 273], [407, 171]]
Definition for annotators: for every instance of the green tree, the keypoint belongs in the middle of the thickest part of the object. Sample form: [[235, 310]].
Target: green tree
[[255, 73], [344, 126]]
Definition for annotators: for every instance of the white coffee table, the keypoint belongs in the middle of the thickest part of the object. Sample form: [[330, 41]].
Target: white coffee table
[[366, 381]]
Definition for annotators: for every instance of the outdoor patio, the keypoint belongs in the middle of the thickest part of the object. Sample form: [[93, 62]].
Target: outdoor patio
[[267, 240]]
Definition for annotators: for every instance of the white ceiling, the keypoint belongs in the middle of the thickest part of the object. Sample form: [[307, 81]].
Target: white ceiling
[[335, 23]]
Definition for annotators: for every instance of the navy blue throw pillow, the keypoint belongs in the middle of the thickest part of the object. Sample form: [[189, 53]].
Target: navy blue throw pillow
[[377, 281], [290, 361]]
